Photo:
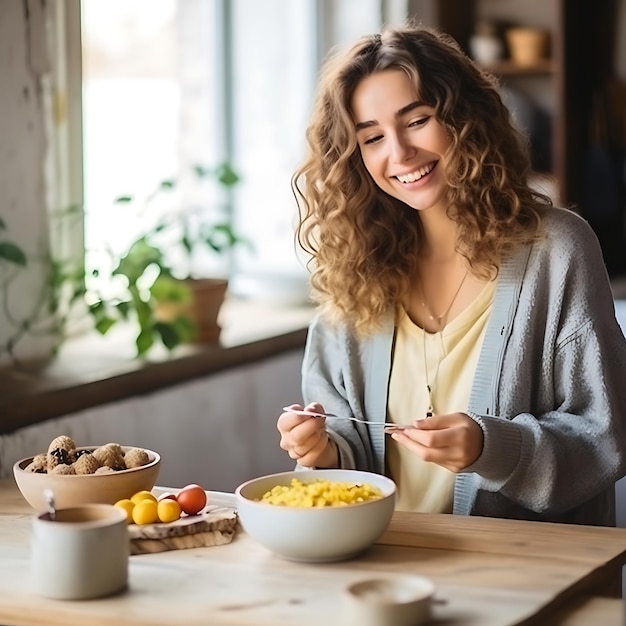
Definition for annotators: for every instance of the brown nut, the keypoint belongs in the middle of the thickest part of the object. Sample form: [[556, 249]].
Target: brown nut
[[39, 464], [107, 455], [136, 457], [58, 456], [63, 469], [86, 464], [64, 442], [115, 448]]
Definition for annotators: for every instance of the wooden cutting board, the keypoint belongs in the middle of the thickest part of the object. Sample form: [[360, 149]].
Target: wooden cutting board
[[215, 525]]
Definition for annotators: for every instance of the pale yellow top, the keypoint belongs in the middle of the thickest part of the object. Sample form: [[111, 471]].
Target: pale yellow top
[[451, 357]]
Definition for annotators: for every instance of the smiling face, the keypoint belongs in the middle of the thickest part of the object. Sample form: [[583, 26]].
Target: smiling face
[[401, 141]]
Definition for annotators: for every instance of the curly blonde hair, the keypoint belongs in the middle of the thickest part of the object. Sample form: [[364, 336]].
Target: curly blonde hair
[[364, 243]]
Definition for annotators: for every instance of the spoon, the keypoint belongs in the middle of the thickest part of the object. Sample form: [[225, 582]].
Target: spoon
[[49, 496], [345, 417]]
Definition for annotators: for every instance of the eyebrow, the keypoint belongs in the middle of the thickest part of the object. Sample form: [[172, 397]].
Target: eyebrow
[[403, 111]]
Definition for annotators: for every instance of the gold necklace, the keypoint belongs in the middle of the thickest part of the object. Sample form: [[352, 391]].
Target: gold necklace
[[442, 320]]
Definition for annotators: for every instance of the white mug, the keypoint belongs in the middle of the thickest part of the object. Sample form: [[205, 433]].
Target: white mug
[[82, 553]]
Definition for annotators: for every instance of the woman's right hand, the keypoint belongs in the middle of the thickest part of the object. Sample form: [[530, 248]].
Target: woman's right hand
[[305, 437]]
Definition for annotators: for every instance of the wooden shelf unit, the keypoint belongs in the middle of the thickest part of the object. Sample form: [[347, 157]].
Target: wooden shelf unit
[[579, 45], [584, 68], [506, 67]]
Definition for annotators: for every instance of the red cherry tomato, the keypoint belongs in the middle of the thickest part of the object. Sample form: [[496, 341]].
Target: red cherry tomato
[[192, 499]]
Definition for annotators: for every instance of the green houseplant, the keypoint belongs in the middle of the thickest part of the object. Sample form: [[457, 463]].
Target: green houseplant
[[159, 291], [149, 285], [47, 312], [10, 252], [12, 257]]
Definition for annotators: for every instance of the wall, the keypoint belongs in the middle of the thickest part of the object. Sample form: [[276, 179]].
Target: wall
[[218, 431], [24, 102]]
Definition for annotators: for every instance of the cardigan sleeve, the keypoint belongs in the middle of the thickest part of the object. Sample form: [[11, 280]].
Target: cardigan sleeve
[[559, 439], [332, 374]]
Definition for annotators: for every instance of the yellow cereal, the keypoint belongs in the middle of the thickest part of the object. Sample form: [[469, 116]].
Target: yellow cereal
[[320, 493]]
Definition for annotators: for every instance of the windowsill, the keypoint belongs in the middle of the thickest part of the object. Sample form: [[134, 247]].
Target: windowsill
[[92, 370]]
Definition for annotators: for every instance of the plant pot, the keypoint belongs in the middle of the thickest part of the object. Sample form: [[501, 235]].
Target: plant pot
[[208, 297], [202, 308], [527, 45]]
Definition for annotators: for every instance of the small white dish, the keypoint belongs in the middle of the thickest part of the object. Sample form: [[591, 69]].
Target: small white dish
[[394, 600]]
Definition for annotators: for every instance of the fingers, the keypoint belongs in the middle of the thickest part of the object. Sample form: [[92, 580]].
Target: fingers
[[311, 450], [289, 421], [303, 437], [453, 441]]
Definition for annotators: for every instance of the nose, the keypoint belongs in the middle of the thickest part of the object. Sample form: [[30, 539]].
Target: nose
[[400, 149]]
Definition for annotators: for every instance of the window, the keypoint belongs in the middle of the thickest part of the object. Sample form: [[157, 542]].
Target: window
[[173, 83]]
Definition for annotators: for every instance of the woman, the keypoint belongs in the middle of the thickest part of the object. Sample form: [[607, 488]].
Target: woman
[[453, 298]]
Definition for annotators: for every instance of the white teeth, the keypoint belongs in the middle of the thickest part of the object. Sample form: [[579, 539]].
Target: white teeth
[[413, 176]]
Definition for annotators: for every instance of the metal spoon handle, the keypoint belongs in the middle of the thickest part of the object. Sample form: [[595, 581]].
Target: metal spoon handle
[[344, 417]]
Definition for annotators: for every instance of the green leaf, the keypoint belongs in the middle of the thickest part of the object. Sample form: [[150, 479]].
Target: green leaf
[[226, 175], [168, 289], [144, 313], [140, 255], [168, 334], [104, 324], [201, 171], [12, 253], [185, 328], [221, 237], [96, 308], [167, 184], [123, 308], [186, 243], [102, 320], [144, 341], [123, 199]]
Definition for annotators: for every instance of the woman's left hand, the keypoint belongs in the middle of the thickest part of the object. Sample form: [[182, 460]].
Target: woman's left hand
[[453, 441]]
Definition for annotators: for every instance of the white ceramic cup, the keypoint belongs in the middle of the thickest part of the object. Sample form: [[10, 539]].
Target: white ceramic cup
[[395, 600], [82, 553]]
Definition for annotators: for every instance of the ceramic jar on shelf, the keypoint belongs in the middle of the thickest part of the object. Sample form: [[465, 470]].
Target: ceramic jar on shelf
[[485, 45]]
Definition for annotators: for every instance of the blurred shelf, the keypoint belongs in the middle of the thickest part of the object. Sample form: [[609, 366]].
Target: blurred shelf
[[507, 67]]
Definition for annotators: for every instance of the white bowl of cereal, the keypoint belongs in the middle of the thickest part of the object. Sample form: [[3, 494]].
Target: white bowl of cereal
[[325, 515], [86, 474]]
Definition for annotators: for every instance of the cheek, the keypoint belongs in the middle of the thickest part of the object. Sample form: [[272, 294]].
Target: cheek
[[373, 166]]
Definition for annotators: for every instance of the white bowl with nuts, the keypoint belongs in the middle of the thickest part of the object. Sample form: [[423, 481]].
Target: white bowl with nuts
[[85, 474]]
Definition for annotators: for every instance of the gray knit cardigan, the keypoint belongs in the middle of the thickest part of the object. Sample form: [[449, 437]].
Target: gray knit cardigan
[[549, 390]]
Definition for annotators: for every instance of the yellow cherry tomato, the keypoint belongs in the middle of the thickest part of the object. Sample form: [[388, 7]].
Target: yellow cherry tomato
[[145, 512], [168, 510], [142, 495], [128, 506]]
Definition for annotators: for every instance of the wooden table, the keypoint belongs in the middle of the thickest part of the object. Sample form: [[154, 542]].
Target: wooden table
[[488, 572]]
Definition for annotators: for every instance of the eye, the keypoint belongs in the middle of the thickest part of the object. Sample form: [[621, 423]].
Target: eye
[[371, 140], [419, 122]]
